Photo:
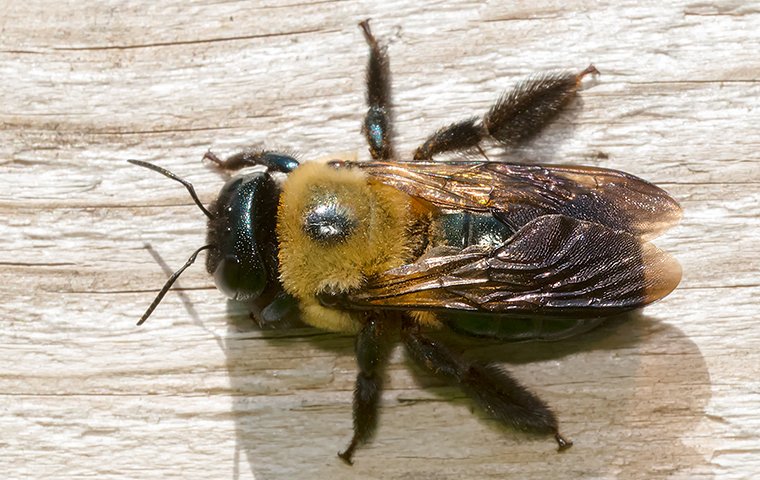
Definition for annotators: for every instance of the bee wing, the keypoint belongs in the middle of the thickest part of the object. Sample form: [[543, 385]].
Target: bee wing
[[555, 265], [519, 193]]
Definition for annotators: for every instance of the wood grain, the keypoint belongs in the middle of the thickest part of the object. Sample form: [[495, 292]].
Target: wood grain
[[197, 392]]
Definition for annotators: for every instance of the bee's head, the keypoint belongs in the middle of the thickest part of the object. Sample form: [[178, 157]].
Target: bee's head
[[242, 242], [242, 229]]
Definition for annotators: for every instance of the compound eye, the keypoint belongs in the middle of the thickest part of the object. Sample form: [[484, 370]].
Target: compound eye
[[244, 261], [238, 280], [328, 221]]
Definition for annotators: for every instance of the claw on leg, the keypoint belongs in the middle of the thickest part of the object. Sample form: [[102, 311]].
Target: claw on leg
[[562, 442]]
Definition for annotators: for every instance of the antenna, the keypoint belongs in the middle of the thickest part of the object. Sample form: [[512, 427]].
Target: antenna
[[167, 173], [170, 282]]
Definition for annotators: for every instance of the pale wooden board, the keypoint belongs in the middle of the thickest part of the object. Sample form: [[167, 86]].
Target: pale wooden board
[[199, 393]]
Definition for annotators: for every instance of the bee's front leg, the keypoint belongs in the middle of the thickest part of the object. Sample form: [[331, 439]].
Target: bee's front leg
[[274, 161], [372, 348]]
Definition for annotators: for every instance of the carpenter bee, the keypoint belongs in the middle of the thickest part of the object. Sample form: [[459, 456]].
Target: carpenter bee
[[392, 247]]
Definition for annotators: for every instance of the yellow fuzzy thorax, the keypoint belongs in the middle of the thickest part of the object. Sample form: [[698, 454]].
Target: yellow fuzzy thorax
[[378, 242]]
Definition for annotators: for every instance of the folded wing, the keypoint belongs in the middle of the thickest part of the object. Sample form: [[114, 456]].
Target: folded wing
[[554, 265], [520, 193]]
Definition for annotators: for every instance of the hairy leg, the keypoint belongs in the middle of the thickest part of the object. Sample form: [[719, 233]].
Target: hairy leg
[[517, 115], [490, 386], [377, 123], [274, 161], [372, 348]]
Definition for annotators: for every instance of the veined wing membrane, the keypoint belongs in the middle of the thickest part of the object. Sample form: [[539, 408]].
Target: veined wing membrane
[[519, 193], [555, 265]]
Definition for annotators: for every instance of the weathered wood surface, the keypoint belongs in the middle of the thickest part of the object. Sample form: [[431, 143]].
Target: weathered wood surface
[[197, 392]]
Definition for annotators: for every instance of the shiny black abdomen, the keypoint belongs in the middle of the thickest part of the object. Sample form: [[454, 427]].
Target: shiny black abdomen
[[462, 229]]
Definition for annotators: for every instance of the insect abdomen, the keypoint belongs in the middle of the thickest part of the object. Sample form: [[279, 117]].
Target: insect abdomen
[[462, 229], [516, 328]]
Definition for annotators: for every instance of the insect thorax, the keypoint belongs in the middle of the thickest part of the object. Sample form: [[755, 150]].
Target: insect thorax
[[336, 228]]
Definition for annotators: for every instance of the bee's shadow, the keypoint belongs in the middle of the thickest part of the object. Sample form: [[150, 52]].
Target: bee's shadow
[[646, 366], [619, 333], [631, 388]]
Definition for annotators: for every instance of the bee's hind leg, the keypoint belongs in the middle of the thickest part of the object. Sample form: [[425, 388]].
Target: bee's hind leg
[[517, 115], [491, 387], [372, 349], [377, 123]]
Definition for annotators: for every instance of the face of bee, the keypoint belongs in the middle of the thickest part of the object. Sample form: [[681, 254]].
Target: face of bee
[[335, 229], [242, 229]]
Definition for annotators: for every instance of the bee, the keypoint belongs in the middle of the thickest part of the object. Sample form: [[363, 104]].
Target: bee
[[392, 248]]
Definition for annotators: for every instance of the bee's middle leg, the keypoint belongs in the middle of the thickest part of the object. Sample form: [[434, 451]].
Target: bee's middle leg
[[377, 126], [372, 349]]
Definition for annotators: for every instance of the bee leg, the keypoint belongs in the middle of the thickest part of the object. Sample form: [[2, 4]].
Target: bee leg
[[280, 312], [372, 347], [377, 122], [274, 161], [522, 112], [491, 387], [458, 136], [517, 115]]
